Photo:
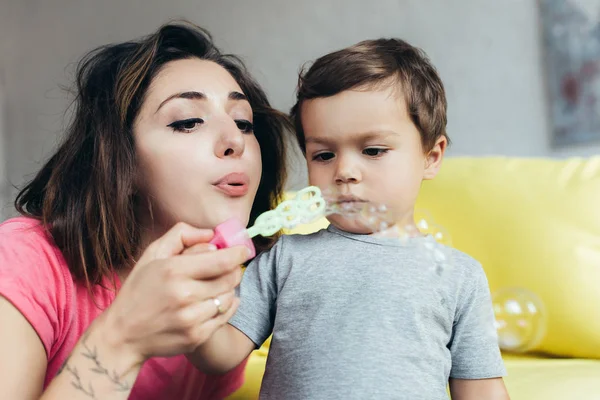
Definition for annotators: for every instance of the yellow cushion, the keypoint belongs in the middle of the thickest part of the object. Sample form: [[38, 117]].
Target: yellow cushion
[[532, 223], [529, 378], [552, 379]]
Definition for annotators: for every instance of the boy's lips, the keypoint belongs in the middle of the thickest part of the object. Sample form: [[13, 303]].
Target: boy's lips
[[349, 199], [234, 184], [349, 203]]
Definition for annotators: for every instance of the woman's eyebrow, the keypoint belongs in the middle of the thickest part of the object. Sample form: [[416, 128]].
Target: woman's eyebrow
[[183, 95], [193, 95]]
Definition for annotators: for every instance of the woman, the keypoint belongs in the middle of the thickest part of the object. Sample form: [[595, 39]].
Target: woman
[[107, 281]]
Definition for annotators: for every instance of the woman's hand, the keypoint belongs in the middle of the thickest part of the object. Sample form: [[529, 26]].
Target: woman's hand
[[165, 307], [172, 302]]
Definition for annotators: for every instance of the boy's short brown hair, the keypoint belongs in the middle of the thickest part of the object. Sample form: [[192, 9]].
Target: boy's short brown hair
[[372, 65]]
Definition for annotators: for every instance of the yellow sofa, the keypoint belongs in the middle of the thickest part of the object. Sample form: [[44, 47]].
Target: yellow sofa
[[533, 224]]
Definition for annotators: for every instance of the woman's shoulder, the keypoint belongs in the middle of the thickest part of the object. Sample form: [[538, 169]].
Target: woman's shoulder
[[26, 247], [20, 228]]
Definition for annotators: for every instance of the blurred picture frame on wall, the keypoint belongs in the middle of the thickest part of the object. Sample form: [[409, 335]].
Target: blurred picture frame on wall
[[571, 39]]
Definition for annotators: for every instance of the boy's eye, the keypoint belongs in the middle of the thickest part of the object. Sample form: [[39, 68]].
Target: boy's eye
[[323, 157], [374, 151], [244, 125], [186, 125]]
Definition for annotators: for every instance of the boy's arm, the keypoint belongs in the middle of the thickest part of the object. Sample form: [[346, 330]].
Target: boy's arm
[[476, 389], [477, 365], [224, 351]]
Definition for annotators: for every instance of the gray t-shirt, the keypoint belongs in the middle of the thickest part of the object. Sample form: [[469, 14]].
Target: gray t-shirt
[[360, 317]]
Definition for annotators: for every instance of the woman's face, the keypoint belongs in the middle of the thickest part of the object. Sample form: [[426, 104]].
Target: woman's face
[[198, 159]]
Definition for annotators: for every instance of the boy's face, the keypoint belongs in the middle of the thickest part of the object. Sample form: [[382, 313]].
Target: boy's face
[[364, 146]]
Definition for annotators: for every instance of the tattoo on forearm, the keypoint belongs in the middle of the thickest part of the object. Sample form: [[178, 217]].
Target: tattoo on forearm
[[92, 354], [77, 382]]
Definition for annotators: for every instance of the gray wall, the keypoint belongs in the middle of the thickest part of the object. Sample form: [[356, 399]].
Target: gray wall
[[3, 180], [4, 41], [487, 51]]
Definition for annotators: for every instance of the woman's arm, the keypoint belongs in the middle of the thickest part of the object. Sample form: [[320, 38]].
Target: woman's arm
[[165, 307], [23, 358], [101, 366], [98, 368]]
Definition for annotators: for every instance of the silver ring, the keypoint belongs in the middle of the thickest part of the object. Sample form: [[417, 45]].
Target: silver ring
[[219, 305]]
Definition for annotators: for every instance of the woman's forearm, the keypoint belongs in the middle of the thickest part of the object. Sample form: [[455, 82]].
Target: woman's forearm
[[99, 367]]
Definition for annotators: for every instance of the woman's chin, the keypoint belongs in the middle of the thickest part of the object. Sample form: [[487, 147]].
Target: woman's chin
[[223, 214], [213, 218]]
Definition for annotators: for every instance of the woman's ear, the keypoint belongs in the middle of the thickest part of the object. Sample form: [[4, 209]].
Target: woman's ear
[[433, 159]]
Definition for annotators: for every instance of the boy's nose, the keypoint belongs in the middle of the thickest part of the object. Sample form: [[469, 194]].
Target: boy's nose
[[347, 172], [231, 141]]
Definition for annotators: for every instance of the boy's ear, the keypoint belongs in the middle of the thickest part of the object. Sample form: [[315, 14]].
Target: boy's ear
[[433, 159]]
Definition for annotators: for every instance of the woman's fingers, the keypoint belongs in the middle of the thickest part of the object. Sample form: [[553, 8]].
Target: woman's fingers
[[193, 291], [199, 320], [201, 311], [222, 284], [209, 265], [221, 319], [202, 331], [200, 248], [175, 241]]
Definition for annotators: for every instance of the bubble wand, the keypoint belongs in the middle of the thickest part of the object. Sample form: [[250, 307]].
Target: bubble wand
[[306, 206]]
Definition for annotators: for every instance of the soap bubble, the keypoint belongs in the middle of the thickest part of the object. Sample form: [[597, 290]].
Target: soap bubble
[[437, 242], [365, 214], [520, 319], [427, 226], [433, 240]]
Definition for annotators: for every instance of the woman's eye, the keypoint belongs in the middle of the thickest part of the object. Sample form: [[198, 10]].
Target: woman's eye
[[374, 151], [186, 125], [323, 157], [244, 125]]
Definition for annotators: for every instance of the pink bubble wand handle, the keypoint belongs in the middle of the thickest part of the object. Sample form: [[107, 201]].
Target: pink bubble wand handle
[[232, 233]]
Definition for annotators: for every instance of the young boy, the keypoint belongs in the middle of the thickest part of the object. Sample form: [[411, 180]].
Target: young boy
[[355, 316]]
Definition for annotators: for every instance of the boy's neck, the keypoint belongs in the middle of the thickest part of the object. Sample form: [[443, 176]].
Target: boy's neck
[[399, 231], [406, 227]]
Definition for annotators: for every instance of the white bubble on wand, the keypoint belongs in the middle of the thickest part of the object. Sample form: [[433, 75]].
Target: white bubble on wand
[[306, 207]]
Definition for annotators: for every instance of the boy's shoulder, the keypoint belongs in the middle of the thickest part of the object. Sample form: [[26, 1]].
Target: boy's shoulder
[[295, 242], [301, 241], [461, 271], [466, 273], [463, 261]]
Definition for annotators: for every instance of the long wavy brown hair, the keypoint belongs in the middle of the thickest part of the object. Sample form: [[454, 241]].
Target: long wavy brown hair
[[85, 194]]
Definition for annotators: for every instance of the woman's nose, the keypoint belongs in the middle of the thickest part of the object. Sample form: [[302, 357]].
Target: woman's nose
[[231, 141]]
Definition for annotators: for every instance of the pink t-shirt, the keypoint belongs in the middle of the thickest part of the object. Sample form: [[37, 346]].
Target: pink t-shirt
[[35, 278]]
